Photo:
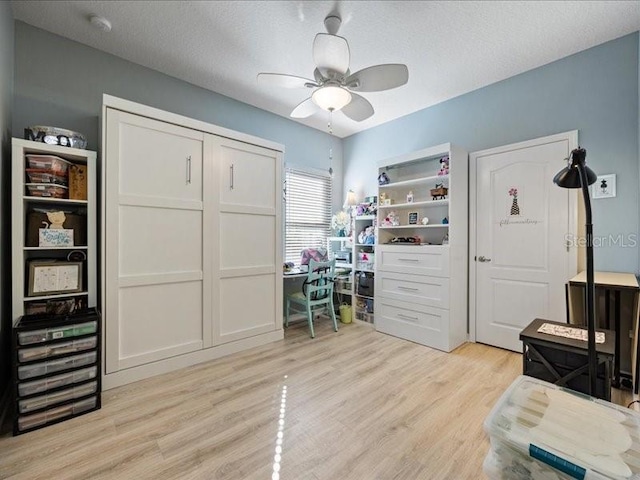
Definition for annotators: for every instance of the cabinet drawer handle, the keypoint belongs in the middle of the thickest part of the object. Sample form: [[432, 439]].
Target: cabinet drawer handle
[[408, 260], [188, 169], [231, 177], [407, 317], [400, 287]]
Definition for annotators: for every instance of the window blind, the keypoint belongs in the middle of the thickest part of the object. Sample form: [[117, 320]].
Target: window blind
[[307, 212]]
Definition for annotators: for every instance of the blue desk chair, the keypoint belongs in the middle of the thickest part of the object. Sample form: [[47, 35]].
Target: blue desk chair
[[317, 291]]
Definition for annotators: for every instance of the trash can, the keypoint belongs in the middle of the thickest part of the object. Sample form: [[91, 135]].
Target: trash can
[[346, 315]]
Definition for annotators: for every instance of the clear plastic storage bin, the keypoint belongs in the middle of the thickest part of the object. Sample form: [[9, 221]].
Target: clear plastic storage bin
[[51, 350], [49, 383], [504, 463], [46, 334], [52, 366], [41, 418], [43, 401], [48, 162], [575, 434], [37, 175]]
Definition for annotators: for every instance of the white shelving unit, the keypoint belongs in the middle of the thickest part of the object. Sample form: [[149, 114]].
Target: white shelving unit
[[344, 284], [421, 289], [23, 204], [363, 264]]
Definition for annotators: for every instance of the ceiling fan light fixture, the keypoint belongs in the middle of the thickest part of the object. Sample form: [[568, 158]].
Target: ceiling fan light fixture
[[331, 97]]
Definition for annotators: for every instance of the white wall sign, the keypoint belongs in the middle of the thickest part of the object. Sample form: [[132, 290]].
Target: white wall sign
[[605, 186]]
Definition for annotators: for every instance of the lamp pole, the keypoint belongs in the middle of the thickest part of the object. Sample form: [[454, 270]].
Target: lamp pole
[[590, 287], [577, 175]]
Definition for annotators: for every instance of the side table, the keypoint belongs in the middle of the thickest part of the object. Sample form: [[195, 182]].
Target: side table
[[564, 361]]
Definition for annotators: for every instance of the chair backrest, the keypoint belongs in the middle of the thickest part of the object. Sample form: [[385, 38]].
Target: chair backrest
[[320, 279]]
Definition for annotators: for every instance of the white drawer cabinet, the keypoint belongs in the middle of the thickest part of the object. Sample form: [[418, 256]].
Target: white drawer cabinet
[[418, 289]]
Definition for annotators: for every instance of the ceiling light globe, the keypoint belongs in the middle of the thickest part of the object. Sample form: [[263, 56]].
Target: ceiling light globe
[[331, 97]]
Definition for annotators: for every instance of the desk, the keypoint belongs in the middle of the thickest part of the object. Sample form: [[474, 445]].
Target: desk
[[613, 284]]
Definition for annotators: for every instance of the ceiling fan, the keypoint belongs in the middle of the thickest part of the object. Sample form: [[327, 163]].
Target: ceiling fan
[[334, 84]]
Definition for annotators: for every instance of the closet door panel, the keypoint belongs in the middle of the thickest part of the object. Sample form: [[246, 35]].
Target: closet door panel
[[247, 240], [159, 159], [247, 175], [156, 248], [159, 321], [157, 241], [247, 306]]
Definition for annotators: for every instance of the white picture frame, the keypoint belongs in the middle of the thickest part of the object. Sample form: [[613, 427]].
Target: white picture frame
[[605, 187]]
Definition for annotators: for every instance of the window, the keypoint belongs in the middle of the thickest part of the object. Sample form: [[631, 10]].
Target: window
[[307, 212]]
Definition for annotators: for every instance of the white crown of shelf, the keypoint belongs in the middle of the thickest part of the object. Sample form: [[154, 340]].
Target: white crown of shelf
[[365, 217], [54, 200], [415, 181], [339, 239], [426, 203]]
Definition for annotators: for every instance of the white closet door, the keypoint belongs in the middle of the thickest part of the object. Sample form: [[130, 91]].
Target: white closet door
[[155, 220], [248, 299]]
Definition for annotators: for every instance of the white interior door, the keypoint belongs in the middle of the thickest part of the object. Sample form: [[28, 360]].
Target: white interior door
[[521, 259]]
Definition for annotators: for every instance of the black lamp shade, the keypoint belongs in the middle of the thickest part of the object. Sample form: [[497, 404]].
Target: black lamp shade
[[569, 177]]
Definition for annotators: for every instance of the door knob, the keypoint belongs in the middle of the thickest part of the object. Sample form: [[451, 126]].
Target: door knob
[[482, 258]]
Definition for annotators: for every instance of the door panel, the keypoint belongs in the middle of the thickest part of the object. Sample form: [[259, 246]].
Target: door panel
[[247, 240], [159, 159], [522, 220], [247, 306], [155, 240], [247, 175], [159, 321]]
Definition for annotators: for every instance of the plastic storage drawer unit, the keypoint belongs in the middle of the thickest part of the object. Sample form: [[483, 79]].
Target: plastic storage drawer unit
[[44, 401], [577, 435], [48, 416]]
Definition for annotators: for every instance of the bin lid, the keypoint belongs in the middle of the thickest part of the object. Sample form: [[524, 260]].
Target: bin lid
[[574, 433]]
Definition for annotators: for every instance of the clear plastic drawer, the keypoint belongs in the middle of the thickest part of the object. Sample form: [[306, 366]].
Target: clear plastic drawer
[[51, 366], [57, 413], [49, 383], [51, 350], [43, 401], [54, 333]]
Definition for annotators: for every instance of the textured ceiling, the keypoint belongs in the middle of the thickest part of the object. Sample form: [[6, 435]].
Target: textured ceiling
[[450, 47]]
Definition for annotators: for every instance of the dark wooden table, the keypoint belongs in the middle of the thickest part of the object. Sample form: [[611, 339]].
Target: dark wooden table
[[564, 361]]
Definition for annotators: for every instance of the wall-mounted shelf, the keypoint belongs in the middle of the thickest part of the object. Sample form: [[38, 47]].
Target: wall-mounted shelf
[[426, 203], [54, 200], [405, 227], [414, 181]]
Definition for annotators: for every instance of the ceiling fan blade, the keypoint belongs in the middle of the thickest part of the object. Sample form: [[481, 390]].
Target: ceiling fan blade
[[286, 81], [358, 108], [378, 78], [305, 109], [331, 53]]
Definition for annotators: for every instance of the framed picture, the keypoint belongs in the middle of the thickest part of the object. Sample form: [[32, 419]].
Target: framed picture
[[413, 218], [50, 278]]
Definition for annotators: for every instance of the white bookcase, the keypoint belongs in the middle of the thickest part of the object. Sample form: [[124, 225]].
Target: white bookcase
[[363, 264], [23, 204], [421, 288]]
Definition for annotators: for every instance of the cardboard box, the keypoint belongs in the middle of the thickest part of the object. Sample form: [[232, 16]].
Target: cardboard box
[[78, 182]]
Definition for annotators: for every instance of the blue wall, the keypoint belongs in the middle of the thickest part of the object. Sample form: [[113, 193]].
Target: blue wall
[[594, 91], [60, 82]]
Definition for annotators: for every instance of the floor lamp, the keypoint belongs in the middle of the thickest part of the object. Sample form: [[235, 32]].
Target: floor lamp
[[577, 175]]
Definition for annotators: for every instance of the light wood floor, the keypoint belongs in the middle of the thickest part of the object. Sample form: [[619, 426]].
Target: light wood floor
[[359, 405]]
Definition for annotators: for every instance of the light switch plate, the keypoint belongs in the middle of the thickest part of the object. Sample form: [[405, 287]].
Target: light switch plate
[[605, 186]]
